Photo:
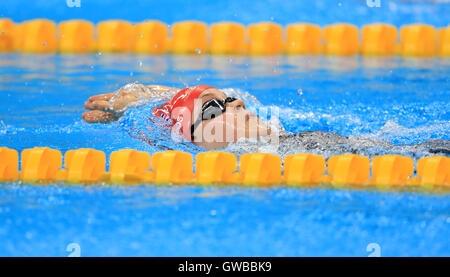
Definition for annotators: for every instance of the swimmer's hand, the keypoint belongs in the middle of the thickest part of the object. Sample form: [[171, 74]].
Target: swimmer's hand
[[110, 106], [101, 109]]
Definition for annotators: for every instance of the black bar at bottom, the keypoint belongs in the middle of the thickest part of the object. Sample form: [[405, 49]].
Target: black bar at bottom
[[225, 265]]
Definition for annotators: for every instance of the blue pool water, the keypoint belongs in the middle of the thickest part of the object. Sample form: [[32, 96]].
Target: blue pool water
[[397, 12], [402, 101], [190, 221]]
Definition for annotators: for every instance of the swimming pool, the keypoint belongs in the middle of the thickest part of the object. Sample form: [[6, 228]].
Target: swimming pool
[[403, 101]]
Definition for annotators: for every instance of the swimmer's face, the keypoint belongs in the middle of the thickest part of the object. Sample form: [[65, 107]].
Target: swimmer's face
[[225, 127]]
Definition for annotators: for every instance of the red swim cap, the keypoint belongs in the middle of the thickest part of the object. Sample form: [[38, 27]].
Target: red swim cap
[[178, 110]]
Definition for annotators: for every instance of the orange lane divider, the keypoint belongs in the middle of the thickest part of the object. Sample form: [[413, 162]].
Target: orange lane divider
[[7, 33], [223, 38], [115, 36], [266, 38], [216, 167], [36, 36], [172, 167], [444, 42], [150, 37], [341, 39], [434, 170], [303, 39], [260, 169], [228, 38], [76, 36], [84, 165], [418, 40], [303, 169], [128, 166], [40, 164], [189, 37], [391, 170], [378, 40], [9, 164], [349, 169]]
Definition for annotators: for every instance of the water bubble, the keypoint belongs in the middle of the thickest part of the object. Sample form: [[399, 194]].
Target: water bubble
[[99, 53], [340, 4], [45, 43], [198, 51], [300, 91], [213, 212]]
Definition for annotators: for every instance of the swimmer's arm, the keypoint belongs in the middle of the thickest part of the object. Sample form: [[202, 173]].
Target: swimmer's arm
[[162, 89], [110, 106], [136, 92]]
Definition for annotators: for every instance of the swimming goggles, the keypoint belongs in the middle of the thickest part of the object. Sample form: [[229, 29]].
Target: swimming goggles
[[210, 110]]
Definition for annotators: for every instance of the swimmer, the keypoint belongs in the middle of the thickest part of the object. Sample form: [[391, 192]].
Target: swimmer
[[210, 119], [197, 112]]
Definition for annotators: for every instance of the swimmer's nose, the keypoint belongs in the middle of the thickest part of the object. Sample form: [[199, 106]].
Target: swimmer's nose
[[236, 105]]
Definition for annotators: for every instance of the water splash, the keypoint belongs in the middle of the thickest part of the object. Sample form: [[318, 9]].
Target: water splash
[[139, 123], [398, 134]]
